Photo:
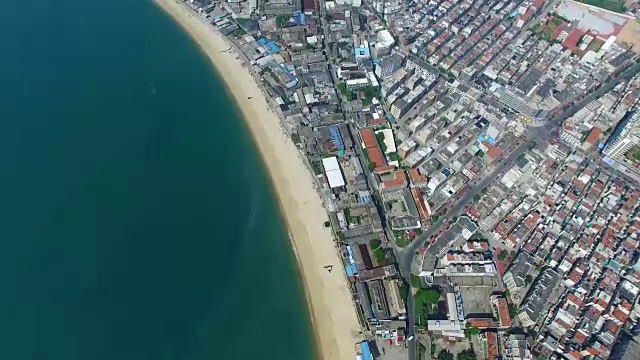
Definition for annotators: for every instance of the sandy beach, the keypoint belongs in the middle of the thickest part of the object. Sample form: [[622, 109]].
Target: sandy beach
[[334, 319]]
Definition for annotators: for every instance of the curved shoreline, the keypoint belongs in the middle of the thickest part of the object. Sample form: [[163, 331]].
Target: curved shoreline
[[333, 318]]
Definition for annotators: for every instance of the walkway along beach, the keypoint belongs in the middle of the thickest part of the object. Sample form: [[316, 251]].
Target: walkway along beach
[[334, 318]]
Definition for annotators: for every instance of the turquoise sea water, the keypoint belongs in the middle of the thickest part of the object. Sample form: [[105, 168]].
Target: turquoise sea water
[[136, 220]]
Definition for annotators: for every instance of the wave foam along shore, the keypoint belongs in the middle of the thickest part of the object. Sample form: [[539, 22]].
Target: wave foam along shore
[[334, 320]]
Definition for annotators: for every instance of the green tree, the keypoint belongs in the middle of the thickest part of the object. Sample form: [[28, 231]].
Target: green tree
[[422, 350], [471, 331], [380, 254], [380, 138], [429, 296], [317, 167], [282, 19], [513, 310], [347, 215], [415, 281], [403, 293], [528, 279], [375, 243], [445, 354], [371, 92], [467, 354]]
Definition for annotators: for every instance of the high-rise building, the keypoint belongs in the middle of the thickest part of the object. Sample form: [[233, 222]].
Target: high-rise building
[[388, 66], [624, 137]]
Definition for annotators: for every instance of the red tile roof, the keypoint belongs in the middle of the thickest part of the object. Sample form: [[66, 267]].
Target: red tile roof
[[613, 327], [559, 30], [574, 299], [494, 151], [376, 156], [384, 169], [571, 42], [480, 323], [594, 135], [575, 354], [537, 3], [369, 138], [417, 198], [503, 311], [492, 346], [527, 15], [399, 180], [416, 177], [580, 337], [372, 148], [377, 121], [619, 315], [602, 303], [593, 351]]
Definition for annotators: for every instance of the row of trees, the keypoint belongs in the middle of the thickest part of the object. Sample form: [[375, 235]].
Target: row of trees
[[368, 93], [467, 354]]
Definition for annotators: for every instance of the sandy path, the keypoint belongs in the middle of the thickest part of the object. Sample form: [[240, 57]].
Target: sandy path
[[334, 319]]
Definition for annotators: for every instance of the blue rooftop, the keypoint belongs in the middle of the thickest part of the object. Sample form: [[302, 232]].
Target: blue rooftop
[[351, 261], [362, 51], [336, 137], [291, 77], [299, 17], [488, 139], [272, 48], [351, 270], [366, 352]]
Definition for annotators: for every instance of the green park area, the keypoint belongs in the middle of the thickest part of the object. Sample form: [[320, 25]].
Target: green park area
[[618, 6], [401, 238], [633, 154], [378, 251], [426, 303], [467, 354]]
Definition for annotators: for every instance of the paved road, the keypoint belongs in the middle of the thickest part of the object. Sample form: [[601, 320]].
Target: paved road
[[535, 134]]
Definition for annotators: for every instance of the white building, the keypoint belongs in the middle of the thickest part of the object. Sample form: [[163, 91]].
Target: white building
[[384, 43], [357, 83], [333, 172]]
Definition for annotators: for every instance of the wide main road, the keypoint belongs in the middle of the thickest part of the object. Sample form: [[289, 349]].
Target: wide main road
[[535, 134]]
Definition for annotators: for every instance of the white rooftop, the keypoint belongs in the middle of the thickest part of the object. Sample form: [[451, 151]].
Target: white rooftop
[[332, 170]]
